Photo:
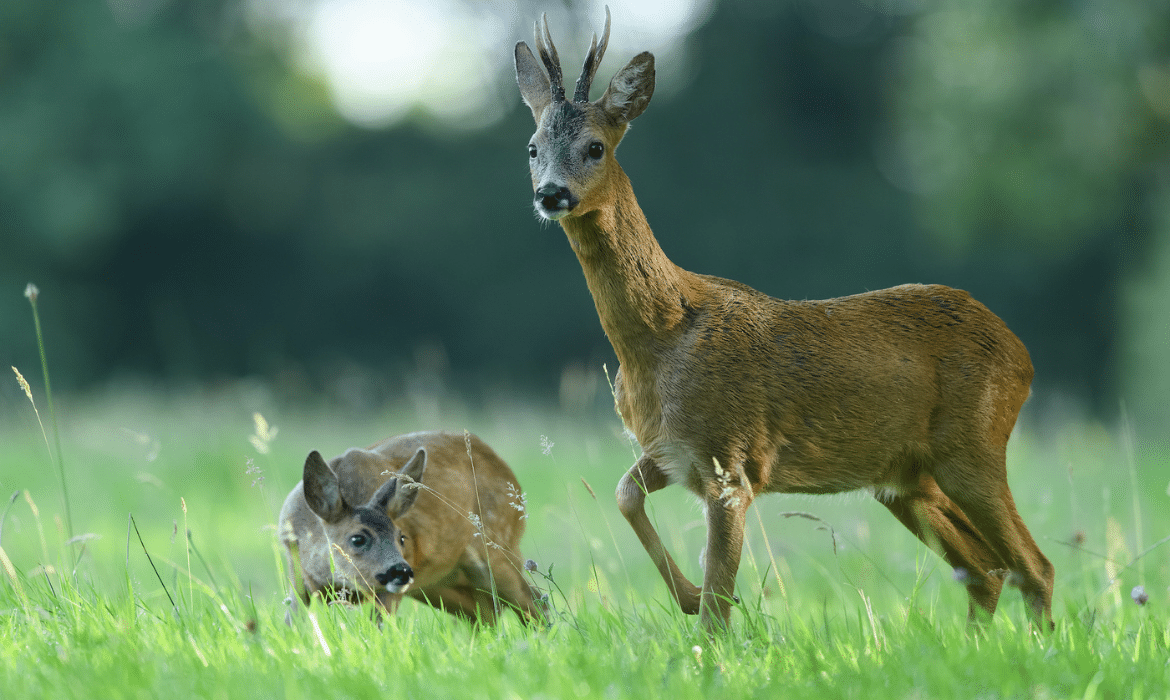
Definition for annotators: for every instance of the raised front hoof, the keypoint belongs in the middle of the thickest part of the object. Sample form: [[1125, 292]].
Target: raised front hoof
[[689, 599]]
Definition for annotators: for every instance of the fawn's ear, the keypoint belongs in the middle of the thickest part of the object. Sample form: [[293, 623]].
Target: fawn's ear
[[397, 495], [630, 90], [322, 492], [535, 89]]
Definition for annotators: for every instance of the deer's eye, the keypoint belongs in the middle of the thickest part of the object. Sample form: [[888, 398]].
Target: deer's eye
[[402, 541], [596, 149], [359, 541], [531, 150]]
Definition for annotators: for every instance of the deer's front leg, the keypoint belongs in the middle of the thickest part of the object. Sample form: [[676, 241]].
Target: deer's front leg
[[645, 478], [726, 509]]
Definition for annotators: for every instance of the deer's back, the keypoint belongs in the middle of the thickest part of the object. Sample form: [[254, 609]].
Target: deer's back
[[837, 394]]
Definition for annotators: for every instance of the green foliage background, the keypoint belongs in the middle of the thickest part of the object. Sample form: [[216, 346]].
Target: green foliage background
[[194, 210]]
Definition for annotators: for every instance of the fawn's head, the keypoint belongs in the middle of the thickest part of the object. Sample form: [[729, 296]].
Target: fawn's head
[[571, 152], [364, 542]]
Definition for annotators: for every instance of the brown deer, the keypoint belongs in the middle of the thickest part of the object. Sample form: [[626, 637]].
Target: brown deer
[[432, 515], [911, 392]]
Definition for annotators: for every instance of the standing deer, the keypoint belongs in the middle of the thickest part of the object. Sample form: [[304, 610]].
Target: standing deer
[[910, 392], [430, 515]]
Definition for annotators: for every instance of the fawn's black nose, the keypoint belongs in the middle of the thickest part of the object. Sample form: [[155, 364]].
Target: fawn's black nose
[[553, 198], [396, 577]]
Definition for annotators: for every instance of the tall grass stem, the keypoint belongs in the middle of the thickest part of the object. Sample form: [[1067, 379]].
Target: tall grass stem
[[174, 607], [32, 292], [1127, 445], [11, 500]]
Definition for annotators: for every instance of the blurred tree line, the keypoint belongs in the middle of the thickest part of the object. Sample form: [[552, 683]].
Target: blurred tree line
[[192, 207]]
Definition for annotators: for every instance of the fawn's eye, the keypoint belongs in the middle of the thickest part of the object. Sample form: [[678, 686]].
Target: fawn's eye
[[402, 541], [531, 150], [596, 149], [358, 541]]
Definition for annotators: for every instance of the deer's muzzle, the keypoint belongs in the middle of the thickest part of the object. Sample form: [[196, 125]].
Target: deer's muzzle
[[397, 578], [554, 201]]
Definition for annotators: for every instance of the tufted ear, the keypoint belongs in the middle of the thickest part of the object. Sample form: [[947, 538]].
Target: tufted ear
[[534, 86], [397, 495], [630, 90], [322, 492]]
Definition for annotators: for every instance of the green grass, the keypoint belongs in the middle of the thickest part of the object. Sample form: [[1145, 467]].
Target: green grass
[[876, 616]]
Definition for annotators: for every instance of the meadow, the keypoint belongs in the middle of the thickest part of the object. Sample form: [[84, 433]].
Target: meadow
[[163, 577]]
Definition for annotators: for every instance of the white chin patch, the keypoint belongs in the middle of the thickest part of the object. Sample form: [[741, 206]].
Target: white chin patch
[[399, 587], [552, 215]]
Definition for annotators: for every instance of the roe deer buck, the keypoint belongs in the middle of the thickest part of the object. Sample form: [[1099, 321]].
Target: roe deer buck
[[911, 392], [363, 518]]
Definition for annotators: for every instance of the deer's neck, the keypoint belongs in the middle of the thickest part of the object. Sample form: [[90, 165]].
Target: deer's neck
[[641, 296]]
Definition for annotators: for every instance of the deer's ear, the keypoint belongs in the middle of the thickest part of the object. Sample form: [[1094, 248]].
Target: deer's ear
[[535, 89], [630, 90], [322, 492], [397, 495]]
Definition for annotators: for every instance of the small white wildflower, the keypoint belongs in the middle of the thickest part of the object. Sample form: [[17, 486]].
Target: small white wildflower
[[1139, 595], [518, 500], [253, 469], [530, 565]]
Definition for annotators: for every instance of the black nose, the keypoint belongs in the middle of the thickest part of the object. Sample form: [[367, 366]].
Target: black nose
[[552, 197], [399, 575]]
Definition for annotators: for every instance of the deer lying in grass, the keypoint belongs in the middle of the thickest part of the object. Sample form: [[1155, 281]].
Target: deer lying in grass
[[413, 515], [911, 392]]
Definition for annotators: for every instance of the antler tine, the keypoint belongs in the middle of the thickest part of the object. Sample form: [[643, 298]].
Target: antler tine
[[581, 93], [552, 62], [592, 61]]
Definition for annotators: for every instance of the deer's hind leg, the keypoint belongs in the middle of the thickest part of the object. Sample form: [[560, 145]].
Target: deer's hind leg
[[977, 483], [645, 477], [935, 519]]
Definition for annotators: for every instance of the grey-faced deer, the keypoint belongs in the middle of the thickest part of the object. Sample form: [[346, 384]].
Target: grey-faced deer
[[911, 392], [413, 515]]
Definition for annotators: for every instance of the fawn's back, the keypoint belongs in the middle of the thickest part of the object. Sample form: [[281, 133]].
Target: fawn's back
[[455, 545]]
